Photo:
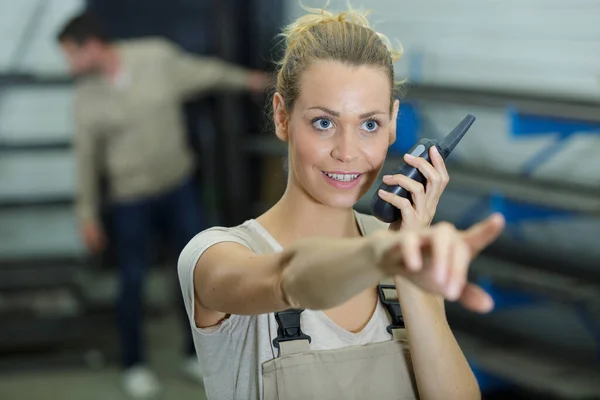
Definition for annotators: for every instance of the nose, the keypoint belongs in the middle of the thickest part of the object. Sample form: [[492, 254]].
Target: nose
[[346, 146]]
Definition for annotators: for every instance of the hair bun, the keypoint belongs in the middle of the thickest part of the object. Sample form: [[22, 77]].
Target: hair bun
[[318, 16], [343, 37]]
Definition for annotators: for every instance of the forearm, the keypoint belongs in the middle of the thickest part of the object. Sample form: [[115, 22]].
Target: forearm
[[234, 77], [86, 201], [85, 210], [441, 369], [317, 273], [194, 75], [323, 273]]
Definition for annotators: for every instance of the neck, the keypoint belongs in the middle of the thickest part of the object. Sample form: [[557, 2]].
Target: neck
[[297, 215], [111, 62]]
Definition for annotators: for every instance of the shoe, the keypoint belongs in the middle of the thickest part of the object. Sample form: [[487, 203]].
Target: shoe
[[140, 383], [192, 369]]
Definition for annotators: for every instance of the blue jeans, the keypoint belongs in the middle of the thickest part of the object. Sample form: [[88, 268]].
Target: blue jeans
[[175, 215]]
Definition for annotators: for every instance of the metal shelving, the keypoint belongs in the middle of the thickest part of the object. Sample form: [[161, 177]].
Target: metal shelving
[[51, 145], [48, 273], [535, 104], [27, 79]]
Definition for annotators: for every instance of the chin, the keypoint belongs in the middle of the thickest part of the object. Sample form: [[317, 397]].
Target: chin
[[341, 201]]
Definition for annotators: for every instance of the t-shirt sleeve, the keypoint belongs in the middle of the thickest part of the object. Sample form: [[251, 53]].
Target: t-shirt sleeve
[[190, 256]]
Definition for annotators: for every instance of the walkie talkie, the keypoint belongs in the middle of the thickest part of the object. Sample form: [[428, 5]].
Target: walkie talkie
[[386, 212]]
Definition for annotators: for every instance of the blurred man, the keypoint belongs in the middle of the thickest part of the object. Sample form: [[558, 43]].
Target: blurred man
[[129, 126]]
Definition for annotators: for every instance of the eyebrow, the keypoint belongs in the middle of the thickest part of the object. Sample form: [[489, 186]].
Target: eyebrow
[[337, 114]]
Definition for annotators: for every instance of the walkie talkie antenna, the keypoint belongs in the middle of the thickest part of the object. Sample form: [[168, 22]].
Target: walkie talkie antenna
[[451, 140]]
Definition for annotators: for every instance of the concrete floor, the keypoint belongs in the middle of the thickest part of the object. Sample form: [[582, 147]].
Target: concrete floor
[[77, 383]]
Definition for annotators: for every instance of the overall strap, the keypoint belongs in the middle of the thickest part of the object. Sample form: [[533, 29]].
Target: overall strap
[[290, 338], [388, 296]]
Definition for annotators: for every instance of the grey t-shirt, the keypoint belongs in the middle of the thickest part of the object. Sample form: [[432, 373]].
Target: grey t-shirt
[[232, 353]]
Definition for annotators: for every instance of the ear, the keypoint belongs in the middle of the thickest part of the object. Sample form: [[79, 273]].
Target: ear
[[280, 117], [395, 107]]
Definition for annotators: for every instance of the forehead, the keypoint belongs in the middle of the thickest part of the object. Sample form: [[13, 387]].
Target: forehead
[[345, 88]]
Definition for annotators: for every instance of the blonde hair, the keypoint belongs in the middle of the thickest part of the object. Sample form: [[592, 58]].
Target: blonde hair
[[321, 35]]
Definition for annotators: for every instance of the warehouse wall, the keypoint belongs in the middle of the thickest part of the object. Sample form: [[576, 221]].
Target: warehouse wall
[[546, 46], [41, 55]]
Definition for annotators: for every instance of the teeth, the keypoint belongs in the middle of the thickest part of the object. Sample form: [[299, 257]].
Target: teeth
[[342, 177]]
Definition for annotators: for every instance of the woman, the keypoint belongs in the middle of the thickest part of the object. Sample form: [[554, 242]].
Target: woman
[[335, 108]]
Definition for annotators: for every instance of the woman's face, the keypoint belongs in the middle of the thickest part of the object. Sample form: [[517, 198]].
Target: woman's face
[[338, 131]]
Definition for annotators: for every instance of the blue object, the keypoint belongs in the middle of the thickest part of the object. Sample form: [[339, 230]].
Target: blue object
[[525, 125], [516, 211], [408, 127], [505, 298], [529, 125]]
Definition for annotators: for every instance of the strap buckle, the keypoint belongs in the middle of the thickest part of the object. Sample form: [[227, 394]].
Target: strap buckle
[[288, 327], [393, 307]]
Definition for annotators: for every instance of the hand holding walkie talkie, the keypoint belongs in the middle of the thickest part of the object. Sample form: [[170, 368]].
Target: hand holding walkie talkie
[[385, 211]]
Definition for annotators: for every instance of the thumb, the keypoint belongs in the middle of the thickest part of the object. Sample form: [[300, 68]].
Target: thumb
[[483, 233]]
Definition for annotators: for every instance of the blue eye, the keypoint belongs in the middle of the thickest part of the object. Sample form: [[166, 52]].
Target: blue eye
[[322, 124], [370, 125]]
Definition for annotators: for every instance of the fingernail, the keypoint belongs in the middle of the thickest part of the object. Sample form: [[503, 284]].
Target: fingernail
[[409, 156], [454, 292], [382, 192], [435, 149], [387, 176]]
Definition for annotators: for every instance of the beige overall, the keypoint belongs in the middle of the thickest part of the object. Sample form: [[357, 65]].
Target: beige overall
[[377, 371]]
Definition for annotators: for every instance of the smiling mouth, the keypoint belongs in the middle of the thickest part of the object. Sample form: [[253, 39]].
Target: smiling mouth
[[342, 177]]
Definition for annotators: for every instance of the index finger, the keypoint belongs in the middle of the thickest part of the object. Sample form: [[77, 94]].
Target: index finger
[[438, 162], [482, 234]]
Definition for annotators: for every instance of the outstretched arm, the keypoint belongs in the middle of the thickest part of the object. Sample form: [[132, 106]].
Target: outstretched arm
[[321, 273], [193, 74], [314, 273]]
